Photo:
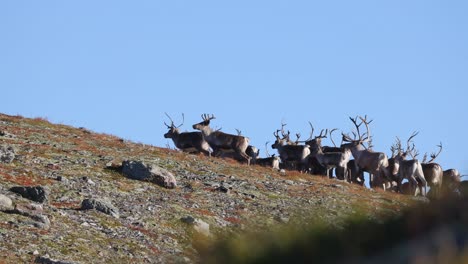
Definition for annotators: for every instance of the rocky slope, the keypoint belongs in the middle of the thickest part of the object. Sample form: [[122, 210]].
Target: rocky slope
[[65, 197]]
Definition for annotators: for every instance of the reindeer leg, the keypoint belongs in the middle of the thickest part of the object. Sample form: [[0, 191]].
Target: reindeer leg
[[414, 184]]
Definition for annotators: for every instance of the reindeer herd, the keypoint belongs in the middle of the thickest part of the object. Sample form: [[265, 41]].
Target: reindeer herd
[[349, 161]]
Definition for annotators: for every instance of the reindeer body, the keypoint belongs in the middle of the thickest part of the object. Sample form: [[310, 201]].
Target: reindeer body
[[273, 162], [374, 163], [332, 160], [291, 154], [433, 174], [189, 141], [410, 170], [451, 179], [219, 141], [251, 151]]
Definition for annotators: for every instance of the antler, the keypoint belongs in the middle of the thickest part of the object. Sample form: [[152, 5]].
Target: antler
[[276, 134], [311, 131], [183, 120], [412, 151], [368, 137], [346, 138], [206, 117], [298, 135], [354, 120], [282, 130], [172, 122], [239, 133], [396, 148], [433, 155], [322, 135], [331, 138], [266, 148]]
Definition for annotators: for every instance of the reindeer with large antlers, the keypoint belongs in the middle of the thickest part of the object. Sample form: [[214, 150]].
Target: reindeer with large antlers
[[375, 163], [433, 172], [291, 154], [186, 141], [409, 169], [219, 140]]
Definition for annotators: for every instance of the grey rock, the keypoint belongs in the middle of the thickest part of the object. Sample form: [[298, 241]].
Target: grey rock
[[138, 170], [47, 260], [188, 219], [37, 193], [100, 205], [35, 213], [7, 154], [5, 203], [223, 189]]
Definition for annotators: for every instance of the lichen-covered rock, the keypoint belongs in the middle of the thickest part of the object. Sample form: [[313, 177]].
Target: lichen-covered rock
[[7, 154], [37, 193], [35, 212], [100, 205], [5, 203], [138, 170]]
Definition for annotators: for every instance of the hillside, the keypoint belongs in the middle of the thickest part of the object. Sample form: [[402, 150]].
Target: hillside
[[140, 221]]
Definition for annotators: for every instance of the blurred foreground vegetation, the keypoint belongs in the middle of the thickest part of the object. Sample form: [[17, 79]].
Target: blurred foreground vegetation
[[436, 232]]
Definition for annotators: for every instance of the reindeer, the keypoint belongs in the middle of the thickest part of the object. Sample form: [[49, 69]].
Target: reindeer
[[433, 172], [186, 141], [375, 163], [221, 141], [330, 160], [270, 161], [452, 179], [251, 151], [295, 154], [408, 169], [323, 162], [354, 173]]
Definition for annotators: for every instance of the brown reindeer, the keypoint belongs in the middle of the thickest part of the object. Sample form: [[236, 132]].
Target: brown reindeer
[[354, 173], [433, 172], [252, 151], [221, 141], [409, 169], [330, 160], [270, 161], [451, 181], [375, 163], [291, 155], [191, 142]]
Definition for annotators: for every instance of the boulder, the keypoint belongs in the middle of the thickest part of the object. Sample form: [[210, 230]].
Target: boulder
[[101, 206], [138, 170], [7, 154], [37, 193], [5, 203]]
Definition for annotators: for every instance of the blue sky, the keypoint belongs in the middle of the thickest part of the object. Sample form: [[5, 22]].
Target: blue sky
[[117, 66]]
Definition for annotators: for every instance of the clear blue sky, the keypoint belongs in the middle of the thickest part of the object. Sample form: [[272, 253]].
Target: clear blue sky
[[117, 66]]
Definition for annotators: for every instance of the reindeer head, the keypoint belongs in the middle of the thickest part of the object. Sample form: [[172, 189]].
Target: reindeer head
[[205, 123], [173, 129], [279, 141], [358, 140], [316, 142]]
